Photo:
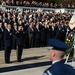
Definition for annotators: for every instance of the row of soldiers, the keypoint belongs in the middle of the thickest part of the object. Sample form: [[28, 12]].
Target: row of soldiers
[[28, 36]]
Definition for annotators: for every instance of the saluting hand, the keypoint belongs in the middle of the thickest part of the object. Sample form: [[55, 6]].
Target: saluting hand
[[17, 32], [10, 33]]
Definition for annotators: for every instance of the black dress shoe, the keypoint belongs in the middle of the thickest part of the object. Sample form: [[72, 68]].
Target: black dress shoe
[[8, 62], [19, 61]]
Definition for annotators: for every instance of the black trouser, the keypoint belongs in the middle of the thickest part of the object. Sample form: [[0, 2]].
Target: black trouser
[[14, 44], [19, 52], [36, 42], [31, 42], [42, 43], [7, 53], [1, 43]]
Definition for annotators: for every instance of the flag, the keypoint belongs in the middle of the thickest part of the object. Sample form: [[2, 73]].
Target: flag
[[72, 22]]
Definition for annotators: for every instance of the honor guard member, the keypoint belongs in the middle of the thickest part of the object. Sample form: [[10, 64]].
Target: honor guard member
[[19, 43], [56, 52], [7, 43]]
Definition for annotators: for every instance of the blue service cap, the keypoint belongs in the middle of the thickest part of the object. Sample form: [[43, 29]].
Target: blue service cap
[[57, 45]]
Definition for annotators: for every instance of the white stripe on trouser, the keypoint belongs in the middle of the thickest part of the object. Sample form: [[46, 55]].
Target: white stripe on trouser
[[49, 73], [44, 74]]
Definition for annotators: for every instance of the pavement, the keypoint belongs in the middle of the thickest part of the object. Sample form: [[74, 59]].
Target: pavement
[[35, 61]]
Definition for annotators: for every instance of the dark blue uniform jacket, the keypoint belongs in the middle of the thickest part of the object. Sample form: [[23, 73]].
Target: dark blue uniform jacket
[[59, 68]]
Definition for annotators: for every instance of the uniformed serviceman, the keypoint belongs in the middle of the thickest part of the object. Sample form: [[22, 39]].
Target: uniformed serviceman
[[56, 52]]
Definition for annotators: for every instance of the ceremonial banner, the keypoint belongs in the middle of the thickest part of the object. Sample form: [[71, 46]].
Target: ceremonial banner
[[72, 22]]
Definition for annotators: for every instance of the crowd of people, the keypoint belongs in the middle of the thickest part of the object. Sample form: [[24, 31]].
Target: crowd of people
[[37, 27], [35, 4], [21, 29]]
